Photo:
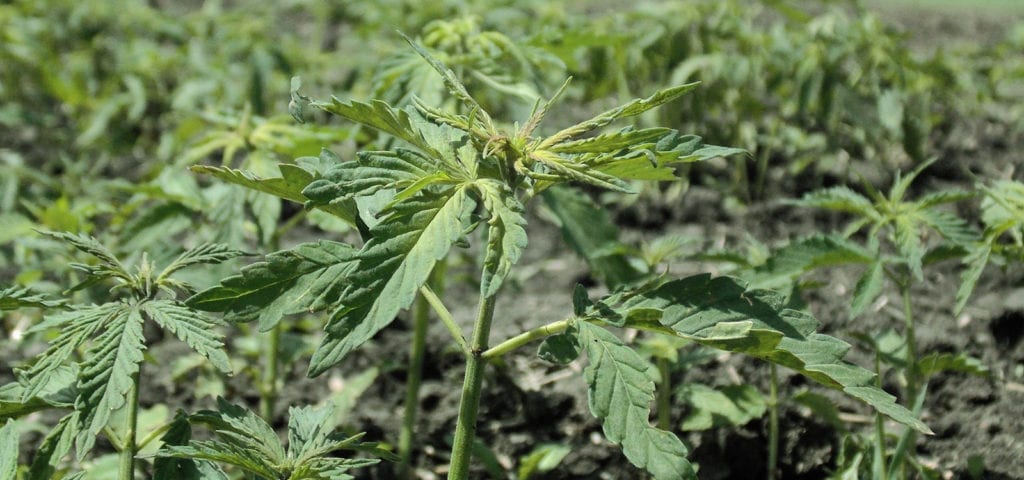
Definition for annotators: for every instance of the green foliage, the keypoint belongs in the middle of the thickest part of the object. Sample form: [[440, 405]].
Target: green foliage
[[111, 335], [720, 407], [246, 441], [1003, 215]]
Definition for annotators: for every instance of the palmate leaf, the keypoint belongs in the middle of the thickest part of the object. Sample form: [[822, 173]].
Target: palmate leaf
[[14, 298], [721, 313], [391, 267], [372, 171], [506, 236], [170, 468], [307, 278], [76, 327], [242, 428], [620, 394], [191, 327], [108, 374], [289, 187], [803, 255]]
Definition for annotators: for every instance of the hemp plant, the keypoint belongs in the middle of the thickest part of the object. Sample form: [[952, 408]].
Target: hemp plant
[[450, 178], [104, 384], [897, 247]]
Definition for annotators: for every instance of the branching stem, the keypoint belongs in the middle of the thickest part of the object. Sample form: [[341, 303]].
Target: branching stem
[[446, 318], [465, 429]]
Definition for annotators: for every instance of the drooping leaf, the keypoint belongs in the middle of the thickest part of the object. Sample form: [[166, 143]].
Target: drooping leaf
[[720, 312], [191, 327], [620, 393], [571, 171], [307, 278], [289, 186], [729, 406], [976, 261], [506, 233], [391, 267], [108, 373]]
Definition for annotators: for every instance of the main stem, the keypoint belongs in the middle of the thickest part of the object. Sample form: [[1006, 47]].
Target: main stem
[[414, 378], [465, 429], [126, 459], [664, 392], [268, 387]]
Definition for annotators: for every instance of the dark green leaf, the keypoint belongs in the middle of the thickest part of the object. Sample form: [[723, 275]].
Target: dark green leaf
[[560, 349]]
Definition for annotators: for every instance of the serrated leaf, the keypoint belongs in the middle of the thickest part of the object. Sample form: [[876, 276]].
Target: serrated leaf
[[9, 439], [950, 226], [57, 391], [721, 313], [630, 109], [868, 288], [841, 199], [14, 298], [240, 428], [506, 235], [381, 116], [76, 327], [620, 393], [729, 406], [560, 349], [371, 172], [169, 468], [109, 264], [307, 278], [391, 267], [569, 170], [108, 373], [907, 237], [191, 327], [804, 255], [207, 253], [610, 142], [289, 186], [976, 261], [54, 448]]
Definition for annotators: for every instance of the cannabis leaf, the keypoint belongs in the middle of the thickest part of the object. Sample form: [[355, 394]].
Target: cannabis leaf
[[1003, 215], [307, 278], [620, 394], [506, 233], [391, 268], [13, 298], [245, 440], [721, 313], [112, 336], [9, 449]]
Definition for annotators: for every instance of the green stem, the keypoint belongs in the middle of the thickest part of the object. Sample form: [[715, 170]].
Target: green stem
[[421, 315], [126, 459], [879, 463], [525, 337], [268, 383], [664, 395], [908, 319], [465, 429], [773, 423], [446, 318]]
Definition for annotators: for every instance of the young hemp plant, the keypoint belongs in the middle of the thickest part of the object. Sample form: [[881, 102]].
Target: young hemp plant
[[103, 384], [449, 176], [897, 248]]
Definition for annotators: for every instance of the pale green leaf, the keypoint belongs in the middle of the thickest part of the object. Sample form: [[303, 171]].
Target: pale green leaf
[[54, 448], [907, 237], [569, 170], [108, 374], [109, 264], [934, 363], [950, 226], [506, 233], [76, 327], [975, 261], [543, 458], [610, 142], [729, 406], [289, 186], [191, 327], [57, 391], [391, 267], [620, 393], [372, 171], [309, 277], [804, 255], [206, 253]]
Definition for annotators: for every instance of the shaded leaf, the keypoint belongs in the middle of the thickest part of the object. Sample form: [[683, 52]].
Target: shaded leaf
[[729, 406]]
